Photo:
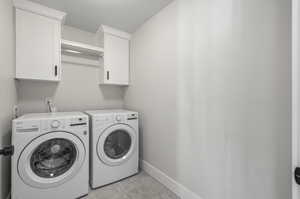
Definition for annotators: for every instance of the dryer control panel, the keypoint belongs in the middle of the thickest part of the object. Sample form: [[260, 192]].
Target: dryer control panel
[[34, 126], [122, 118], [114, 118], [132, 116], [65, 124]]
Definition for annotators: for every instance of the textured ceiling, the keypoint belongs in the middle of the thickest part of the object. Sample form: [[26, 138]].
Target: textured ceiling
[[126, 15]]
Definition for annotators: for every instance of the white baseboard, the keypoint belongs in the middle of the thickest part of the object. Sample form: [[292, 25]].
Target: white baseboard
[[173, 185]]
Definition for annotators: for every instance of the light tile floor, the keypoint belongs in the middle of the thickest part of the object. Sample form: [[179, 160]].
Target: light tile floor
[[141, 186]]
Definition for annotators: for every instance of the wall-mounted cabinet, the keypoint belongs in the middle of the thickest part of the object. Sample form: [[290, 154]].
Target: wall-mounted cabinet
[[38, 42], [116, 56], [39, 47]]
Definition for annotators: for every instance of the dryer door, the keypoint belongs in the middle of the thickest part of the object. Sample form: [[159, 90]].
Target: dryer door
[[51, 159], [116, 144]]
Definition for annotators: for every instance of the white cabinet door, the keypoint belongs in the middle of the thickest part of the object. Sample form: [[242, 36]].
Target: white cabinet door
[[116, 60], [37, 47]]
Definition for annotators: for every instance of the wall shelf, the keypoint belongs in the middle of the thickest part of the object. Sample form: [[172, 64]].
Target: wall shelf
[[80, 61], [73, 47]]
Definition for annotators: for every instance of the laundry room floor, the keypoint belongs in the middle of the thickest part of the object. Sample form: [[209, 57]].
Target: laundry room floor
[[141, 186]]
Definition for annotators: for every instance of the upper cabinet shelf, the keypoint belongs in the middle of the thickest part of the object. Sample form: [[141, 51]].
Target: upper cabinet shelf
[[78, 48]]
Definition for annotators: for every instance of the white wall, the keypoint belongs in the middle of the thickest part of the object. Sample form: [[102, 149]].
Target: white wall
[[296, 94], [211, 79], [153, 89], [7, 87], [78, 90]]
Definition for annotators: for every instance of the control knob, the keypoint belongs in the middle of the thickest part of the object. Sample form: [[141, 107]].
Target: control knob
[[55, 124], [118, 118]]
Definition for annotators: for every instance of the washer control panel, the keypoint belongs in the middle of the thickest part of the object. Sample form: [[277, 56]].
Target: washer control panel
[[53, 124], [79, 122]]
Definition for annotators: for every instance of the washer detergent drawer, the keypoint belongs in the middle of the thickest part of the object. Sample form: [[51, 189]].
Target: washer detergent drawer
[[27, 127]]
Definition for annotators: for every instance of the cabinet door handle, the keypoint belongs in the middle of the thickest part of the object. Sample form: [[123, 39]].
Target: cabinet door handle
[[55, 70], [107, 75]]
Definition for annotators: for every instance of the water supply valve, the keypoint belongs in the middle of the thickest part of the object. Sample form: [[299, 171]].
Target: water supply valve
[[7, 151]]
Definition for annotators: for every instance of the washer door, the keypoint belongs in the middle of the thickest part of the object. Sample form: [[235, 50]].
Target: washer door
[[51, 159], [116, 144]]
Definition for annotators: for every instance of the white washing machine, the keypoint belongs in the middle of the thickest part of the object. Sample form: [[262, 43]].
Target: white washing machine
[[51, 158], [114, 146]]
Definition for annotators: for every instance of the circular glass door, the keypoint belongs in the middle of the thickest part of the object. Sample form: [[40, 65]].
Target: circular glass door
[[51, 159], [116, 144]]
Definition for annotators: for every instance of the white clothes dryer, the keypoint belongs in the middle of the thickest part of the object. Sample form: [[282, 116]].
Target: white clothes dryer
[[114, 146]]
